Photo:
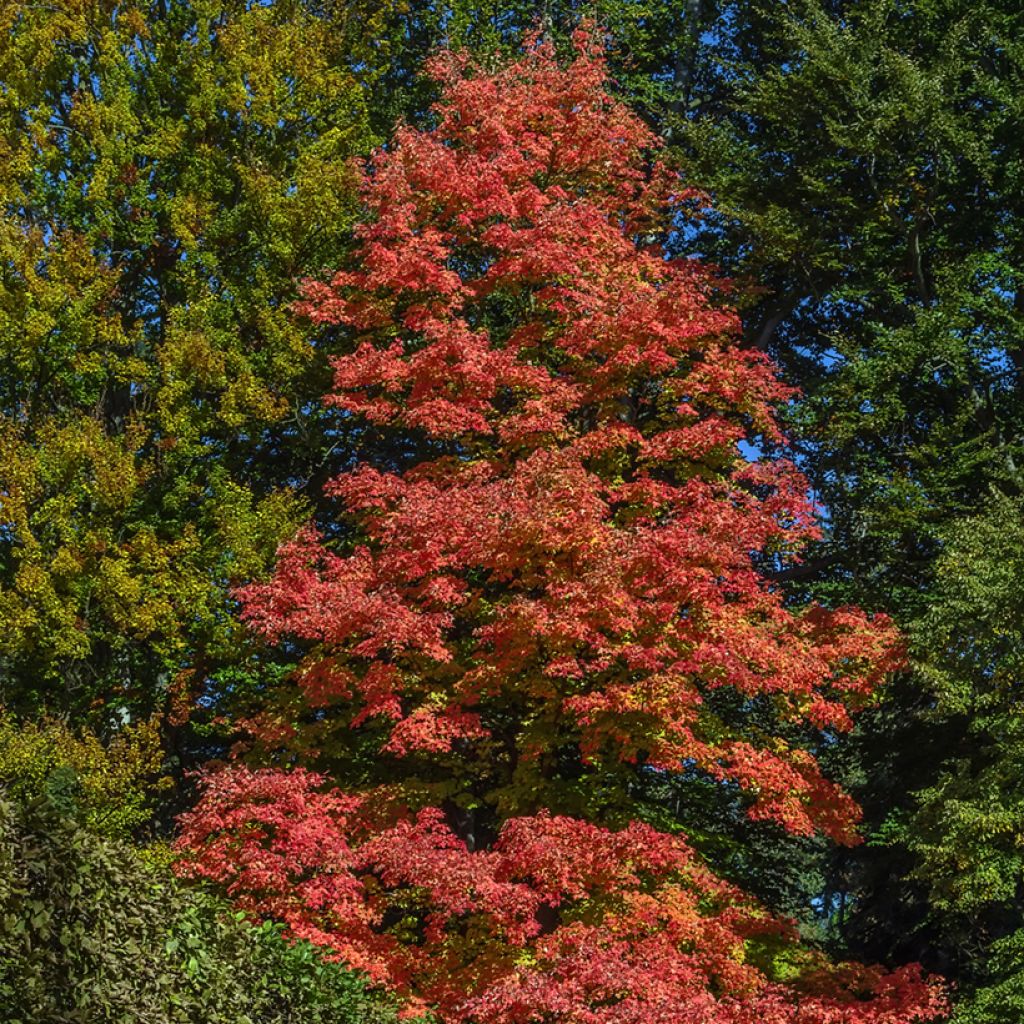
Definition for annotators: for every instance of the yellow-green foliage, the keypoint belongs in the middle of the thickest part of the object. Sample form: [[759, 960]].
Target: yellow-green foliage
[[111, 785], [168, 170]]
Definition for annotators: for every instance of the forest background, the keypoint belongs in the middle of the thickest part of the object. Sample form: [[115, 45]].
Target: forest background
[[169, 172]]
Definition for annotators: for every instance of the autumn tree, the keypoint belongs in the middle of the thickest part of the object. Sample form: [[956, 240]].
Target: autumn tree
[[865, 162], [549, 594]]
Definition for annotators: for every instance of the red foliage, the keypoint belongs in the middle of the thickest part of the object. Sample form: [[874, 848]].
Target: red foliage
[[569, 561], [559, 920]]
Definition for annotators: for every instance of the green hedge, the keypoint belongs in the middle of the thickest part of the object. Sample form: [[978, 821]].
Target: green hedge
[[90, 933]]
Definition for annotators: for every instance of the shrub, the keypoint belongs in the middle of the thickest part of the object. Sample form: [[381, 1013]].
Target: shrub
[[89, 932]]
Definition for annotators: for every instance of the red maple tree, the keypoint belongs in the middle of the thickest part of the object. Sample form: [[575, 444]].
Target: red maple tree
[[542, 595]]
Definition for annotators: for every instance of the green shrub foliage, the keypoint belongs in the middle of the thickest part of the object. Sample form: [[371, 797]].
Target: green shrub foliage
[[91, 934]]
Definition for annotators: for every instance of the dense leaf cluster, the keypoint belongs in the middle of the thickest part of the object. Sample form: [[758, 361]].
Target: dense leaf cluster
[[89, 932], [169, 169]]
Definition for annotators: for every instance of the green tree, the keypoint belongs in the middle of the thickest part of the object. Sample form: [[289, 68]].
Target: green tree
[[965, 831], [864, 161], [168, 170]]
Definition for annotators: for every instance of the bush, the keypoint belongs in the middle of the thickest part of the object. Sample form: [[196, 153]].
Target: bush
[[90, 933]]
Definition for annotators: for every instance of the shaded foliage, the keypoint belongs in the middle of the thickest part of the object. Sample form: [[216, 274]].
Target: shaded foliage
[[88, 932], [110, 788]]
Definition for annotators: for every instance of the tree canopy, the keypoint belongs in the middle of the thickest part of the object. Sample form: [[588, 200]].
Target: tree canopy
[[453, 383], [557, 594]]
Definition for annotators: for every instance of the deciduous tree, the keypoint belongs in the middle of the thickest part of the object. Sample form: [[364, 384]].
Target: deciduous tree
[[552, 591], [167, 169]]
